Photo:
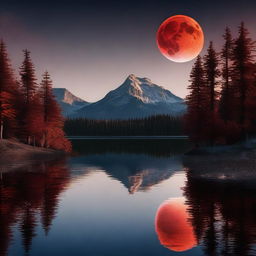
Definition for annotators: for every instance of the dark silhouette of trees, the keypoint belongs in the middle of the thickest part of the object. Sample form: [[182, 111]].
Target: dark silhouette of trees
[[225, 108], [229, 115], [242, 58], [210, 94], [211, 75], [196, 101]]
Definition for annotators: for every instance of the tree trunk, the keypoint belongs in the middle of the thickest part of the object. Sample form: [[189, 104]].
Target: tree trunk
[[44, 140], [29, 140], [1, 130]]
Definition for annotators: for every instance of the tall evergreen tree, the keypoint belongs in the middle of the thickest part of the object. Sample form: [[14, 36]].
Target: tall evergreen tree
[[210, 94], [242, 58], [7, 81], [211, 75], [53, 122], [29, 88], [226, 93], [196, 102]]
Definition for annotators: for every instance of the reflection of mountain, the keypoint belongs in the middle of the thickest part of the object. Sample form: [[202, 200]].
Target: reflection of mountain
[[24, 194], [222, 213], [136, 172]]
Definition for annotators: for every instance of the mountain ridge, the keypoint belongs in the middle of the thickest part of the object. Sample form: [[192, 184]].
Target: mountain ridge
[[135, 98]]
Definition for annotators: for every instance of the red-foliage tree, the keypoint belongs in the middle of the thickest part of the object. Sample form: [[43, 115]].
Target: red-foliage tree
[[26, 111], [7, 92], [53, 122]]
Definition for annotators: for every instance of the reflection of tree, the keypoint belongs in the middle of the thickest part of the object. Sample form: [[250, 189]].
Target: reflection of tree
[[26, 193], [7, 216], [28, 223], [223, 215]]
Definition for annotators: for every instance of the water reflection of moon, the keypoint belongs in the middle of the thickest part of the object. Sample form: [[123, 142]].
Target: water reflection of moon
[[173, 227]]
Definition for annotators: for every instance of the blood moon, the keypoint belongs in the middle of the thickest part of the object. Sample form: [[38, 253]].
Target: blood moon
[[180, 38], [173, 227]]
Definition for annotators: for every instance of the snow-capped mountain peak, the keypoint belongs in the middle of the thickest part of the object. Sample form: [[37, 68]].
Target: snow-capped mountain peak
[[143, 89]]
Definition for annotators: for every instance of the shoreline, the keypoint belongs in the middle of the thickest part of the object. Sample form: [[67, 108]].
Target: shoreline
[[249, 146], [13, 151]]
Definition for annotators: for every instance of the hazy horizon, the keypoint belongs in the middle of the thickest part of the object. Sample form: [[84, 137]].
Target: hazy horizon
[[90, 47]]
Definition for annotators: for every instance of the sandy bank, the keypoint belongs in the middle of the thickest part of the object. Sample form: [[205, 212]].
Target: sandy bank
[[12, 151]]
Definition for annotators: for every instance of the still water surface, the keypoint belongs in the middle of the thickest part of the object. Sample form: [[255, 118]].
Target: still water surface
[[118, 198]]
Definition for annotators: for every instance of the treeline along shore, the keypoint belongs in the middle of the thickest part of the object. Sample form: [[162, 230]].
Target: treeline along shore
[[159, 125]]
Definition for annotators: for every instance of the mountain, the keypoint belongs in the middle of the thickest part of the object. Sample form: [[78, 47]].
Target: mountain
[[68, 102], [135, 98]]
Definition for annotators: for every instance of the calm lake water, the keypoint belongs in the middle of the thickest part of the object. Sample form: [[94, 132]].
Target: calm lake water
[[134, 198]]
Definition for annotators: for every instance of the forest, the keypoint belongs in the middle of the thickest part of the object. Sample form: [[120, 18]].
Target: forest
[[28, 110], [159, 125], [222, 92]]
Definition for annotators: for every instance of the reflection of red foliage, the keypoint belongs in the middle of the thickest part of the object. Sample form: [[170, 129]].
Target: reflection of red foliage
[[23, 196], [173, 227]]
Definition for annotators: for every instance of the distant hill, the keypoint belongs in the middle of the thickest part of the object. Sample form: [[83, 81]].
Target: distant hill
[[135, 98], [68, 102]]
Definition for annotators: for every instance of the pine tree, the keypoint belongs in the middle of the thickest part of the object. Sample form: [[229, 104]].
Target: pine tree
[[225, 104], [53, 122], [211, 75], [210, 93], [242, 58], [7, 99], [195, 102], [29, 88]]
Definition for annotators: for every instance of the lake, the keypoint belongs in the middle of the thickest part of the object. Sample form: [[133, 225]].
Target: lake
[[130, 198]]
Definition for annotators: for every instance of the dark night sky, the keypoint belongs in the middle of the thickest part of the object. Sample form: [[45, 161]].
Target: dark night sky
[[90, 47]]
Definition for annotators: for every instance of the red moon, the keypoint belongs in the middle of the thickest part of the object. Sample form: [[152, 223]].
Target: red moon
[[180, 38], [173, 228]]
